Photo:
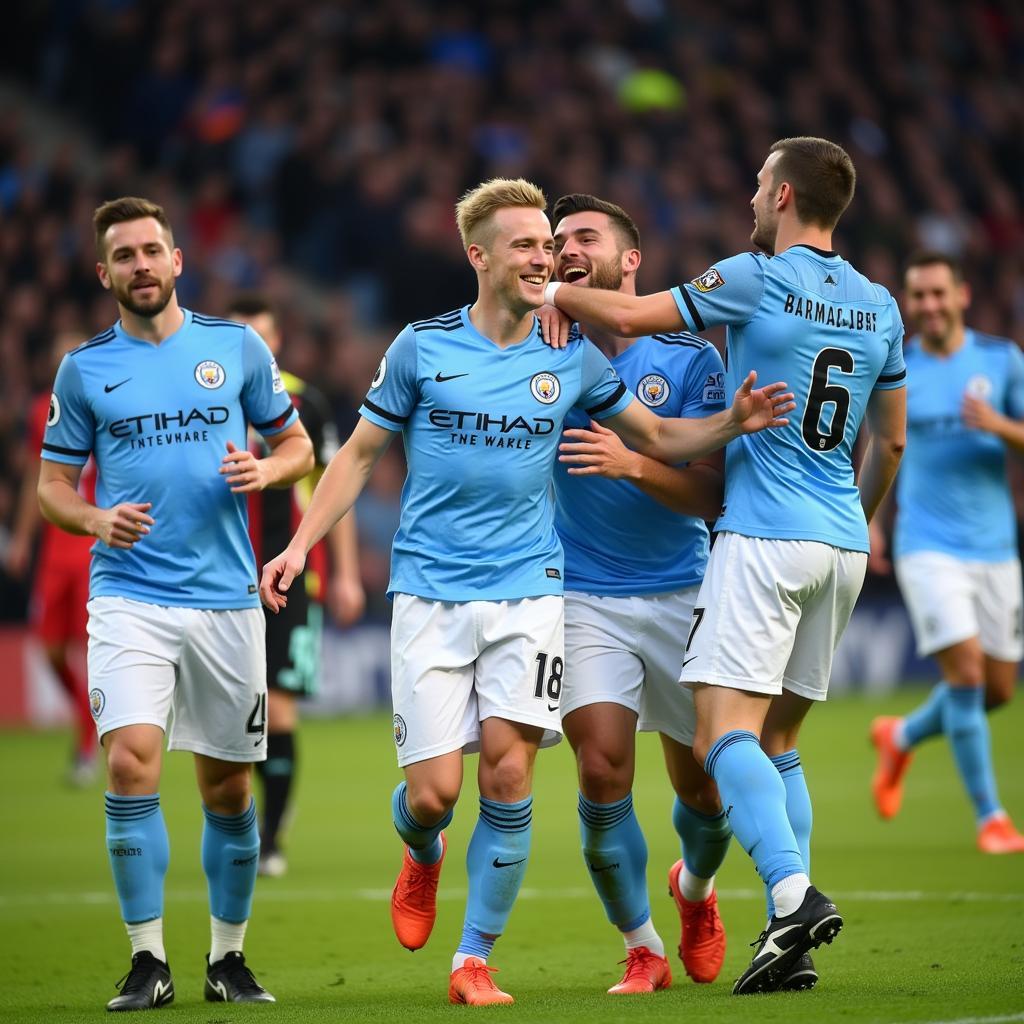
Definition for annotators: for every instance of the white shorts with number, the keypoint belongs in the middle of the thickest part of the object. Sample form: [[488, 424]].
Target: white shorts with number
[[454, 664], [200, 675], [770, 614], [627, 650], [951, 600]]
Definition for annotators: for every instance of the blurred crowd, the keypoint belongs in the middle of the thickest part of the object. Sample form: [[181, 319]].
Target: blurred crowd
[[316, 150]]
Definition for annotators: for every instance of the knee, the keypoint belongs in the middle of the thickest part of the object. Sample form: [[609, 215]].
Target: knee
[[701, 796], [702, 744], [230, 795], [997, 695], [428, 804], [604, 777], [130, 771], [508, 779], [968, 669]]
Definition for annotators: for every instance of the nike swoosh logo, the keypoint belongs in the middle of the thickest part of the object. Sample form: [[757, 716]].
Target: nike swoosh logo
[[441, 378], [113, 387], [258, 742], [771, 946], [506, 864], [603, 867], [688, 660], [552, 707]]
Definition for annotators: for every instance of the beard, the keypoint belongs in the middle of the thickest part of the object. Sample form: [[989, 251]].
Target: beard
[[763, 237], [607, 276], [146, 307]]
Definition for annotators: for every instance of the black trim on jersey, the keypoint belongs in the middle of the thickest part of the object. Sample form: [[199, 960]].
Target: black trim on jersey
[[891, 378], [814, 248], [58, 450], [215, 321], [446, 321], [682, 338], [608, 402], [101, 339], [400, 420], [276, 420], [696, 317]]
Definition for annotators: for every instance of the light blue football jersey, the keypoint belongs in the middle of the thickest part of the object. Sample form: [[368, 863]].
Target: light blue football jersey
[[481, 427], [157, 419], [952, 492], [808, 318], [617, 540]]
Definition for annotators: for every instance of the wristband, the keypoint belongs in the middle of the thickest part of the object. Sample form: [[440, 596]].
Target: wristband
[[549, 291]]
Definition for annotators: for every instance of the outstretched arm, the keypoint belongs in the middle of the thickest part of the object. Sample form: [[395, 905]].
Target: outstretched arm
[[683, 440], [341, 484], [629, 316]]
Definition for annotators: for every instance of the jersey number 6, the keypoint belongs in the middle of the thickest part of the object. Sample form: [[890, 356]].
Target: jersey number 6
[[823, 392]]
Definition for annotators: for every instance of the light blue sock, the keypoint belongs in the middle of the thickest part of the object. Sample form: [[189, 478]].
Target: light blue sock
[[424, 841], [139, 854], [704, 838], [230, 856], [754, 797], [798, 809], [616, 856], [926, 719], [495, 863], [965, 725]]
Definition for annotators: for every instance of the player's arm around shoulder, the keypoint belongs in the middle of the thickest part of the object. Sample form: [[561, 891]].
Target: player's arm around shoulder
[[335, 494], [629, 316]]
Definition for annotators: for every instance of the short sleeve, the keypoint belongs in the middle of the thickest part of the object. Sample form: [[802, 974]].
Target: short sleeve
[[1015, 383], [704, 385], [894, 373], [602, 393], [394, 390], [70, 424], [265, 401], [729, 292]]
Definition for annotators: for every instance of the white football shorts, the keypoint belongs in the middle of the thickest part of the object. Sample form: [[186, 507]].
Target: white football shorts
[[198, 674], [454, 664], [627, 650], [951, 600], [770, 615]]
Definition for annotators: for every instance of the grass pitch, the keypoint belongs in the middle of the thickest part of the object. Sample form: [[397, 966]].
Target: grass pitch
[[934, 930]]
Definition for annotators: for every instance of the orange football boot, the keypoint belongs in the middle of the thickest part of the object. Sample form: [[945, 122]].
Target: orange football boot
[[414, 899], [471, 985], [887, 782], [998, 835], [645, 972], [702, 939]]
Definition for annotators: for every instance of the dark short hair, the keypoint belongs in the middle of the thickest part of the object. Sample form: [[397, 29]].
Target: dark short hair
[[822, 176], [250, 304], [931, 257], [580, 202], [120, 211]]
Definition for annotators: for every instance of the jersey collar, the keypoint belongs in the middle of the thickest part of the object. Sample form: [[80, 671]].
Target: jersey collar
[[826, 253]]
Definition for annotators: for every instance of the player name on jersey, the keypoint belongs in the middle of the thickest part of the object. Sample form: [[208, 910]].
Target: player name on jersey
[[830, 316]]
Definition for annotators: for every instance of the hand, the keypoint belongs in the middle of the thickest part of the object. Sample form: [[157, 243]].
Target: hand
[[554, 326], [598, 452], [245, 473], [19, 556], [277, 577], [124, 525], [754, 410], [878, 563], [979, 415], [346, 599]]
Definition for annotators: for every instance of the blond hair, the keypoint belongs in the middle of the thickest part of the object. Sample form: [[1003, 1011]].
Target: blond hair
[[473, 211]]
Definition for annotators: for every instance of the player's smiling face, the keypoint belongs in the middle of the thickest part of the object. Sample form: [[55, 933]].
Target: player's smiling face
[[141, 266], [587, 251], [520, 257], [766, 214], [935, 302]]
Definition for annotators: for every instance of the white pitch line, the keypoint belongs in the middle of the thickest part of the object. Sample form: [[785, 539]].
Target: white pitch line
[[980, 1020], [270, 893]]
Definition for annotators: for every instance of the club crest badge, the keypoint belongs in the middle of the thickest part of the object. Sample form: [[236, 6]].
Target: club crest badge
[[979, 386], [97, 701], [210, 374], [545, 387], [400, 730], [653, 390]]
